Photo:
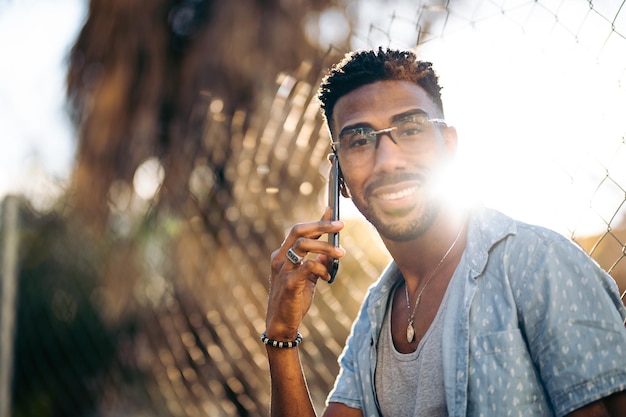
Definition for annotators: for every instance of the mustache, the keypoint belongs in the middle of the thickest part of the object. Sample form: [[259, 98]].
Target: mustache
[[392, 179]]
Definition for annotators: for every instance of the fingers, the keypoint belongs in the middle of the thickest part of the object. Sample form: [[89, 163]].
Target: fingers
[[304, 239], [312, 270], [327, 214], [305, 268], [313, 230], [303, 246]]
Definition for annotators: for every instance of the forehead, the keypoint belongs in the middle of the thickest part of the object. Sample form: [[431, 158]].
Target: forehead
[[375, 104]]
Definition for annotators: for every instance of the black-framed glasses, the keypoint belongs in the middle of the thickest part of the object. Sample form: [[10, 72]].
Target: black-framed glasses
[[408, 133]]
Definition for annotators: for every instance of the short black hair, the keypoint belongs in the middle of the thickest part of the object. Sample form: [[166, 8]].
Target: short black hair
[[364, 67]]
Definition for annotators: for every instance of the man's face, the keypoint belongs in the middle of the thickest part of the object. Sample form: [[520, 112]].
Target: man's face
[[392, 183]]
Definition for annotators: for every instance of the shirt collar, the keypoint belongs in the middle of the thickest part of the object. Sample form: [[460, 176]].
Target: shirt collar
[[486, 227]]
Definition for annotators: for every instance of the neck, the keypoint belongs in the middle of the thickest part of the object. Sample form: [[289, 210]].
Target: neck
[[418, 258]]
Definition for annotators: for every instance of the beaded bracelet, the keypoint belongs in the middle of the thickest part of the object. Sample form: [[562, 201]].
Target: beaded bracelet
[[281, 345]]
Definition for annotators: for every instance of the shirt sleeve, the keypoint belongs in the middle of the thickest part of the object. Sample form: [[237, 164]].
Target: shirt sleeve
[[573, 319]]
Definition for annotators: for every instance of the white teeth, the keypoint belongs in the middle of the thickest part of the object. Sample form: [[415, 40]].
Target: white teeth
[[399, 194]]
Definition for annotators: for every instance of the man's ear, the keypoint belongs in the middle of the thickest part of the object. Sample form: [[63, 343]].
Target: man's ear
[[451, 139], [343, 188]]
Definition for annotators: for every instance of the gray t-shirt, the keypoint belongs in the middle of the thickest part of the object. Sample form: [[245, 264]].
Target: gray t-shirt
[[411, 384]]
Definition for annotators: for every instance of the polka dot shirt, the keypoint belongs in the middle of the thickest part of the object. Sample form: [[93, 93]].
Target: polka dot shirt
[[533, 327]]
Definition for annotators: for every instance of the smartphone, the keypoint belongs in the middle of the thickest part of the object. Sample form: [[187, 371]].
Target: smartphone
[[333, 203]]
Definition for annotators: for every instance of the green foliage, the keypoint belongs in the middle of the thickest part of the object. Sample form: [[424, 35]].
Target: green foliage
[[64, 350]]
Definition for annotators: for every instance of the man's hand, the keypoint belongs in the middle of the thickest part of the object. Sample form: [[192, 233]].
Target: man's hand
[[292, 284]]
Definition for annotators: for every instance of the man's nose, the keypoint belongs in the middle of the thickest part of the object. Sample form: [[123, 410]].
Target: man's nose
[[388, 155], [387, 133]]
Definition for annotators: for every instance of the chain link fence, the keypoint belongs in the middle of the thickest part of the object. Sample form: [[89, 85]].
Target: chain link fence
[[161, 316]]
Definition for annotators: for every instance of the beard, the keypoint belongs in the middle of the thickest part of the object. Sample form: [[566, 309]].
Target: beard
[[402, 225]]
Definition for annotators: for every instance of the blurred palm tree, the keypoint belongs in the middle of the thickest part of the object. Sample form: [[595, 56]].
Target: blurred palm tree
[[141, 76], [199, 142], [168, 211]]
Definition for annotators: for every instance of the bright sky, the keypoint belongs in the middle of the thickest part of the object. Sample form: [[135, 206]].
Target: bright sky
[[539, 114], [537, 92], [540, 122], [35, 138]]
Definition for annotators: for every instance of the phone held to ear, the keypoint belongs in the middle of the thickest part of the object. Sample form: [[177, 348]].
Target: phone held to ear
[[333, 203]]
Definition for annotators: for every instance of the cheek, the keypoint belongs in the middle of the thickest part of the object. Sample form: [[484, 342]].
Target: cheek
[[352, 180], [436, 154]]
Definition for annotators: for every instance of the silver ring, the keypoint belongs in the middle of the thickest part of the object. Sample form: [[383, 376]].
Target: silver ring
[[294, 257]]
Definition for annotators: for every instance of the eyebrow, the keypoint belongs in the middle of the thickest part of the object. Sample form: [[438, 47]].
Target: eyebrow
[[408, 113], [395, 118]]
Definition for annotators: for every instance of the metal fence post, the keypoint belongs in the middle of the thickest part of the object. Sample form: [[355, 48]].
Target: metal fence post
[[8, 292]]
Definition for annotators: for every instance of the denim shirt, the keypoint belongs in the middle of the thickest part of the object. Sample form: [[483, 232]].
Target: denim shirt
[[533, 327]]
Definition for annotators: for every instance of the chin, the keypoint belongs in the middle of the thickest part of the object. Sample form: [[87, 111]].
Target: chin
[[400, 233], [408, 227]]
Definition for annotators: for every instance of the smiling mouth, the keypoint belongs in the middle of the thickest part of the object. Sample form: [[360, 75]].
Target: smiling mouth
[[398, 195]]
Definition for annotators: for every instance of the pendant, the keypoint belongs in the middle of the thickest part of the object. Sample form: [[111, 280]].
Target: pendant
[[410, 332]]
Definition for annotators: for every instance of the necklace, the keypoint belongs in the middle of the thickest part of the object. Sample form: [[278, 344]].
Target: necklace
[[410, 330]]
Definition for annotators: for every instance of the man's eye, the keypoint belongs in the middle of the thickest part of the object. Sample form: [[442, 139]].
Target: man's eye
[[410, 129], [357, 138], [357, 141]]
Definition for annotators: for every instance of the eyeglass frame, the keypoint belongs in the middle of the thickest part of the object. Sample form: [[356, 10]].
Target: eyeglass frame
[[378, 133]]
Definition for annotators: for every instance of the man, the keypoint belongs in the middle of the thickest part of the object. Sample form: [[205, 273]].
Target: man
[[477, 315]]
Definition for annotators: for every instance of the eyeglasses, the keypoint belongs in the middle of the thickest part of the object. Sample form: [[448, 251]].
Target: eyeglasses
[[409, 133]]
